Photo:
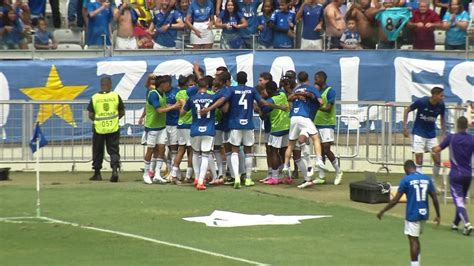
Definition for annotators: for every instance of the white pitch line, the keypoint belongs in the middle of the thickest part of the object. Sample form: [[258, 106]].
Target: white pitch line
[[156, 241]]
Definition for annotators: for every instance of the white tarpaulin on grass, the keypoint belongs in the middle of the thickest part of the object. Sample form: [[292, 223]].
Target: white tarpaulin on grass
[[233, 219]]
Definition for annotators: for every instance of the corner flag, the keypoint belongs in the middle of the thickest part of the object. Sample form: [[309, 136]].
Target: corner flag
[[38, 136]]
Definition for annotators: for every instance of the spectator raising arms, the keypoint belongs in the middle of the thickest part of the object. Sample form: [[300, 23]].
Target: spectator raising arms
[[99, 26], [126, 18], [311, 13], [265, 33], [200, 19], [424, 21], [455, 22], [283, 24], [44, 40], [14, 33], [335, 24], [163, 25], [231, 21]]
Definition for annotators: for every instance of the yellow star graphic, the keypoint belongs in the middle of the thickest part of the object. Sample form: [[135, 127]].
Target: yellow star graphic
[[54, 90]]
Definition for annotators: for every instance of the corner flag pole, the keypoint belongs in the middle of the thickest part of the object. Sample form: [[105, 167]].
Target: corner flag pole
[[38, 202]]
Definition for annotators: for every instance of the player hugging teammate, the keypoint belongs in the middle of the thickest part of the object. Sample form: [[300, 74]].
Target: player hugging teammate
[[214, 120]]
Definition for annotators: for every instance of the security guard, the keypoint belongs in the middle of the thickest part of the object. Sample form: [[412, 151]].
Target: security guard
[[105, 109]]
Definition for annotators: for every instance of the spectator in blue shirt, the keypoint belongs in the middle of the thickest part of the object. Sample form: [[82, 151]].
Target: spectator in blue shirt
[[183, 32], [163, 27], [311, 13], [14, 32], [44, 40], [248, 8], [283, 24], [100, 17], [231, 22], [265, 33], [455, 22], [200, 19]]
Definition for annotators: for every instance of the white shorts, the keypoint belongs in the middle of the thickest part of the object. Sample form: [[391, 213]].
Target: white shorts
[[126, 43], [300, 126], [326, 134], [184, 137], [202, 143], [312, 44], [244, 137], [156, 137], [161, 47], [225, 136], [207, 36], [218, 138], [172, 135], [421, 145], [414, 228], [278, 141]]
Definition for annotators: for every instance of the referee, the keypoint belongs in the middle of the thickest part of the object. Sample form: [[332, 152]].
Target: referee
[[105, 110]]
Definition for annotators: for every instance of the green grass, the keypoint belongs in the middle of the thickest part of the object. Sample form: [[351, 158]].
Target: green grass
[[353, 236]]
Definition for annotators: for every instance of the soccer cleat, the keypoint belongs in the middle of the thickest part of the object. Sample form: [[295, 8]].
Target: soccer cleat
[[96, 177], [159, 180], [454, 227], [310, 171], [287, 180], [273, 181], [338, 178], [319, 181], [196, 181], [200, 187], [467, 230], [229, 181], [320, 164], [249, 182], [306, 184], [237, 185], [147, 179]]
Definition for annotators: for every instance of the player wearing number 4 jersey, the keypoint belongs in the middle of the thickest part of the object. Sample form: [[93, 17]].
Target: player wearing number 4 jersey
[[202, 130], [417, 187]]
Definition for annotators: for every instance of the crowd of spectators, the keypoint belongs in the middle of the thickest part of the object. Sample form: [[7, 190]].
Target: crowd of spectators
[[244, 24]]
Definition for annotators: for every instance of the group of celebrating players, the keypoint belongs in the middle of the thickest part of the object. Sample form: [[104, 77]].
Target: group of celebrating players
[[212, 120]]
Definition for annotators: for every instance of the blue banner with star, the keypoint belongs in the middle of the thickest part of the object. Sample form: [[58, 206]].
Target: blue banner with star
[[356, 76]]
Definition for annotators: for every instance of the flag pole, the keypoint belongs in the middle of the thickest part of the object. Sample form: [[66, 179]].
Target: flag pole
[[38, 202]]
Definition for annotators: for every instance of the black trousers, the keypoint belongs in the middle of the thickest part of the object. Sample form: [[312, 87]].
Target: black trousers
[[111, 141], [55, 12]]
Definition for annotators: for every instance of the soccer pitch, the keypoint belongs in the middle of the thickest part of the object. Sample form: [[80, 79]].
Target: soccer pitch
[[130, 223]]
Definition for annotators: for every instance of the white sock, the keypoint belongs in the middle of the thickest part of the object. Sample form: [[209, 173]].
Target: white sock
[[274, 173], [203, 169], [189, 172], [159, 163], [174, 171], [248, 165], [415, 263], [235, 165], [147, 167], [196, 164], [335, 164], [302, 168], [212, 166], [153, 164], [220, 165]]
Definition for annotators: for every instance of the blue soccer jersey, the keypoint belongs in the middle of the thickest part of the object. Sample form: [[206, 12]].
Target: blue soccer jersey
[[426, 116], [201, 13], [312, 15], [99, 24], [165, 38], [416, 186], [308, 107], [202, 125], [241, 107], [173, 115], [249, 11], [224, 122], [282, 21]]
